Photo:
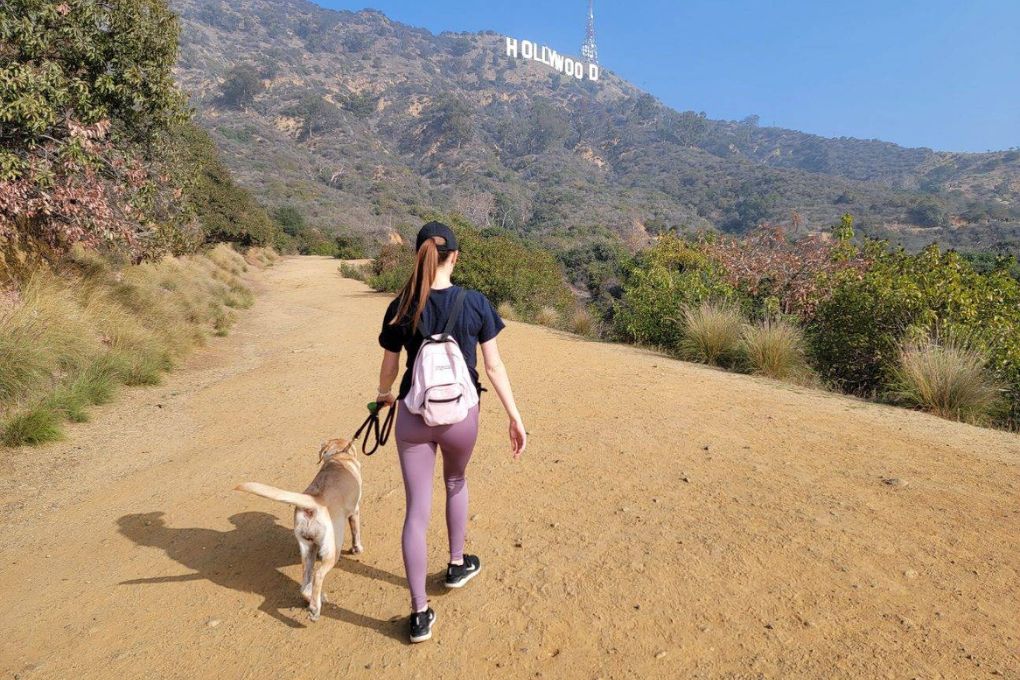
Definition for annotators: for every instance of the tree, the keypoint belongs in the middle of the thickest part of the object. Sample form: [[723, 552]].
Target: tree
[[927, 212], [316, 114], [451, 121], [361, 104], [290, 220], [226, 211], [844, 231], [87, 101], [240, 85], [749, 212]]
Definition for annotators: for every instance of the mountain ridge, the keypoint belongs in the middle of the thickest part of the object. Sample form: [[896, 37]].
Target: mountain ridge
[[410, 121]]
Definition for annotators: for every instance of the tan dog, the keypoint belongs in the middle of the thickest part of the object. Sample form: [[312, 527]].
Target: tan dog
[[332, 497]]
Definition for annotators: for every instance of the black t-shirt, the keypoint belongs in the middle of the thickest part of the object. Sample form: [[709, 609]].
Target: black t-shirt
[[479, 322]]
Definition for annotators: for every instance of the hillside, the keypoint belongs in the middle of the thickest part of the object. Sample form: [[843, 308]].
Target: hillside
[[364, 123], [737, 528]]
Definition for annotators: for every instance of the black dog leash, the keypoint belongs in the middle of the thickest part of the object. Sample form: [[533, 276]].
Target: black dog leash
[[380, 433]]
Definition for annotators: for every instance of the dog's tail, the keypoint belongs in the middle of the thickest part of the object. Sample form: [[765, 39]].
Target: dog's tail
[[302, 500]]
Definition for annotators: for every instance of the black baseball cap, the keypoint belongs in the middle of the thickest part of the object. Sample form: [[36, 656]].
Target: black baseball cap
[[437, 229]]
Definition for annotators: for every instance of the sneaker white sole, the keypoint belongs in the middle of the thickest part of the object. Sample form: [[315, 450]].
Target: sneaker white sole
[[428, 635], [463, 582]]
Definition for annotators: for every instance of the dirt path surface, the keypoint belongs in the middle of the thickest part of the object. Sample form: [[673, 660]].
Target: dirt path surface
[[668, 520]]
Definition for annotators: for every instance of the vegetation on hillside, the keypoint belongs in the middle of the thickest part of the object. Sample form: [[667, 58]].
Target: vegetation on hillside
[[861, 316], [368, 124]]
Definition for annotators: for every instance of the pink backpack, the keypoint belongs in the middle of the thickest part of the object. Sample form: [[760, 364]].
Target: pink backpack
[[442, 391]]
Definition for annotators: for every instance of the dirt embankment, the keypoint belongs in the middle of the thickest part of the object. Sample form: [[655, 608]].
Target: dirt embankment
[[667, 520]]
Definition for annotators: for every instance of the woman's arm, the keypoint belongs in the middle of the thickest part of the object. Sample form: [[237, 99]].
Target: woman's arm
[[496, 371], [387, 374]]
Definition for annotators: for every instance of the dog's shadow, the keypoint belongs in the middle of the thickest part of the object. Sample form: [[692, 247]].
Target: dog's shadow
[[247, 559]]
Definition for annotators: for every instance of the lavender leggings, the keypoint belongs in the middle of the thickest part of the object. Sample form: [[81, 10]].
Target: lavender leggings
[[416, 446]]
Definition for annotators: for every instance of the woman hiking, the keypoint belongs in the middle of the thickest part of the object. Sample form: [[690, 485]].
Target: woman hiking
[[440, 325]]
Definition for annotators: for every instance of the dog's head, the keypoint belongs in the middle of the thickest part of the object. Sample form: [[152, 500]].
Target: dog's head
[[332, 447]]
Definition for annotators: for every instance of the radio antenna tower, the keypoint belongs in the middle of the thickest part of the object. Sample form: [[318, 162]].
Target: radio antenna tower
[[590, 50]]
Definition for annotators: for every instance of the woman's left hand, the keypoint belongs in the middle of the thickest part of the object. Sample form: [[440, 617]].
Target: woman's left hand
[[386, 399]]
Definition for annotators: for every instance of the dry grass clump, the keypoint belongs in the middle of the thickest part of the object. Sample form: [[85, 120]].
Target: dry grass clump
[[776, 349], [261, 257], [712, 333], [228, 259], [947, 378], [67, 342], [506, 311], [581, 322], [547, 316]]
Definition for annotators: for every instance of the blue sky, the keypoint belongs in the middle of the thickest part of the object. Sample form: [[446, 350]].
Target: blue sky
[[936, 73]]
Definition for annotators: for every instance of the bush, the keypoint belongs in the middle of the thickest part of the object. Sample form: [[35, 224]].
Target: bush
[[949, 379], [353, 271], [348, 247], [392, 268], [779, 274], [776, 349], [671, 276], [496, 264], [226, 211], [857, 334], [507, 270]]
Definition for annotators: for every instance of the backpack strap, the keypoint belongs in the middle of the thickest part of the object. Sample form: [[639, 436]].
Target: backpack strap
[[458, 307]]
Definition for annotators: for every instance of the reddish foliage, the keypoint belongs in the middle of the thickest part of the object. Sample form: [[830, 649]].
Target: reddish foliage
[[75, 191], [767, 264]]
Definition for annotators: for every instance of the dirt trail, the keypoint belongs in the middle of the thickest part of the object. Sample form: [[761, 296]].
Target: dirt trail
[[668, 520]]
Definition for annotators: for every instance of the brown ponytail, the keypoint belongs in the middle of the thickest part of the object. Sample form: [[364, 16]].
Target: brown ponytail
[[416, 291]]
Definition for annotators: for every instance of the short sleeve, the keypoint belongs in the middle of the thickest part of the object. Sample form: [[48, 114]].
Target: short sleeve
[[391, 337], [491, 323]]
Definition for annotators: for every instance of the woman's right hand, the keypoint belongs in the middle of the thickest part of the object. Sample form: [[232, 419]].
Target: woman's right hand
[[518, 437]]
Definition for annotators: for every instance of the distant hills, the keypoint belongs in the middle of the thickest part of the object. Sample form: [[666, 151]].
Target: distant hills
[[365, 124]]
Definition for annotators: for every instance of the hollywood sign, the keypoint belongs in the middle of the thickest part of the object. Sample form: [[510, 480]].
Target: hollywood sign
[[525, 49]]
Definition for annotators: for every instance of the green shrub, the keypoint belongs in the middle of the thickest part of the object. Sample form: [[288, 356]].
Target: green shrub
[[776, 349], [353, 271], [348, 247], [507, 270], [712, 333], [226, 211], [496, 264], [947, 378], [671, 276], [857, 333]]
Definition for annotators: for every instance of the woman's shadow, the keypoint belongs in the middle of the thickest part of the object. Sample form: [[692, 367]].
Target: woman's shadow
[[248, 559]]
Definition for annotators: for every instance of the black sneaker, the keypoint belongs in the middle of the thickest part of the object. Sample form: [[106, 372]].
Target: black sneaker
[[457, 575], [421, 625]]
